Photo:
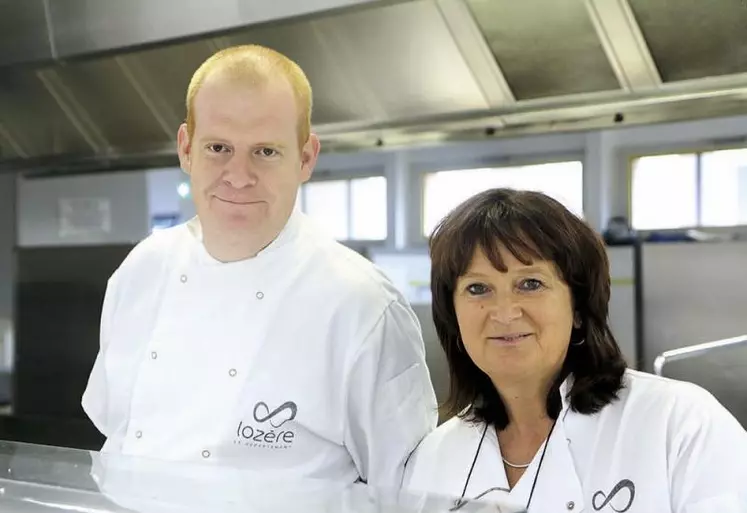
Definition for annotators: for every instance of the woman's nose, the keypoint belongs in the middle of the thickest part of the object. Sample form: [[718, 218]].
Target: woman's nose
[[505, 310]]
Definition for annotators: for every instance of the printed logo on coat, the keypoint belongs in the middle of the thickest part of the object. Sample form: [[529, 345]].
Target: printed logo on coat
[[601, 500], [269, 429]]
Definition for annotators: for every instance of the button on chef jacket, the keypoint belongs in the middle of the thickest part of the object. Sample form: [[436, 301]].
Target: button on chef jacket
[[304, 361], [664, 446]]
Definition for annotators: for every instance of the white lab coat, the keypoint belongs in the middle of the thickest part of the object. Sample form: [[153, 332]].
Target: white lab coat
[[664, 446], [303, 361]]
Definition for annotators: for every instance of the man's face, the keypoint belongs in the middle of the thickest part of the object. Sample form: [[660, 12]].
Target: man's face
[[244, 158]]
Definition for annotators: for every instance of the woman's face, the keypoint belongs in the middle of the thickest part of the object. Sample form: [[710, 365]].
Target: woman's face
[[515, 326]]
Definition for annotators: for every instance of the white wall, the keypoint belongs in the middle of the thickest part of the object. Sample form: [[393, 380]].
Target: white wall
[[163, 193], [133, 199], [163, 196], [126, 218]]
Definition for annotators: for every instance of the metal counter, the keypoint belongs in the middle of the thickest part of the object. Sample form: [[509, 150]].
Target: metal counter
[[35, 478], [719, 366]]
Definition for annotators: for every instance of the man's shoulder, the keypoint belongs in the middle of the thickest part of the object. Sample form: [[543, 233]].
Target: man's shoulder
[[352, 276], [150, 254]]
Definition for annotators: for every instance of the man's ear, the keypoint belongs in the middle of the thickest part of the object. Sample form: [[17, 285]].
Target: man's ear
[[184, 148], [309, 156]]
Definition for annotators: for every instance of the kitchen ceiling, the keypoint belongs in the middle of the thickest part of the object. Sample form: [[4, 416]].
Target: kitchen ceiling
[[101, 83]]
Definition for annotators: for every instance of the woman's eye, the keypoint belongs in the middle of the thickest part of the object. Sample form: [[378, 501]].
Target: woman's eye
[[477, 289], [530, 284]]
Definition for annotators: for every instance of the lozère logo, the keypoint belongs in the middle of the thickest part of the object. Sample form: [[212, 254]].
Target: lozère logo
[[270, 429]]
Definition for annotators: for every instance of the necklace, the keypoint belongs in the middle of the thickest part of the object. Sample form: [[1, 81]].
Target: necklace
[[514, 465], [461, 502]]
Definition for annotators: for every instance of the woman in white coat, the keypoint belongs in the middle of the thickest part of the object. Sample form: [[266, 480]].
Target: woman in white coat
[[544, 412]]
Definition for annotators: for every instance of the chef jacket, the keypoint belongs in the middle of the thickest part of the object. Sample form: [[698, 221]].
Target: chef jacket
[[663, 446], [303, 361]]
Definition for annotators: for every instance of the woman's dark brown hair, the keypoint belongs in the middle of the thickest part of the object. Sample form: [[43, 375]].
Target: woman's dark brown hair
[[532, 226]]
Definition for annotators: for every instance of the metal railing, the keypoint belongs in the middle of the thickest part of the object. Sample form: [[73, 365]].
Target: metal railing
[[695, 350]]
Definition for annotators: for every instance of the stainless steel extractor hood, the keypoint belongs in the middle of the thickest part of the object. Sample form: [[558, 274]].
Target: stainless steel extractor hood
[[101, 83]]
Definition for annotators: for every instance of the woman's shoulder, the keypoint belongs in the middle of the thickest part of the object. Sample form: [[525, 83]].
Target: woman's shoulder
[[645, 390], [445, 443], [703, 444], [454, 432], [680, 408]]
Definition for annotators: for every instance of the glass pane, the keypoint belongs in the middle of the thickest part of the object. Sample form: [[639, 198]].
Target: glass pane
[[327, 203], [664, 192], [447, 189], [723, 188], [368, 208]]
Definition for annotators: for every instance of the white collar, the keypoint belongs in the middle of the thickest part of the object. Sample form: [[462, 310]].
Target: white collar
[[564, 389], [557, 483], [286, 236]]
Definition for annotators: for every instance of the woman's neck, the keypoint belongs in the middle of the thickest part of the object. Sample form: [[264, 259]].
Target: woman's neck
[[529, 424], [526, 406]]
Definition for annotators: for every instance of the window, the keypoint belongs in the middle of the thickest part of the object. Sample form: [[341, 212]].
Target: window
[[368, 208], [664, 192], [327, 203], [723, 188], [349, 209], [445, 190], [690, 190]]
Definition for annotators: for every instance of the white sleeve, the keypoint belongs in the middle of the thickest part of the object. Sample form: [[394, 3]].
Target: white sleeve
[[390, 403], [94, 400], [708, 459]]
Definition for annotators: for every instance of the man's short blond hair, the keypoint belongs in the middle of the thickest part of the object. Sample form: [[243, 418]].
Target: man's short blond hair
[[255, 65]]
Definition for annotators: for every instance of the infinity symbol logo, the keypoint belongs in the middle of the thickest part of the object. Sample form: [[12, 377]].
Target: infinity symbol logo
[[262, 413], [599, 495]]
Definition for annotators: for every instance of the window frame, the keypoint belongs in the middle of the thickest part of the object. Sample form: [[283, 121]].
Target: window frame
[[328, 175], [635, 153], [423, 169]]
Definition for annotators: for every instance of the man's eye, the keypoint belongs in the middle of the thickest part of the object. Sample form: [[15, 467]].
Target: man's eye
[[217, 148], [267, 152]]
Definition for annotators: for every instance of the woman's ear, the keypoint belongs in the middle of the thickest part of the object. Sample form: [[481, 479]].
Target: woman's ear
[[577, 323]]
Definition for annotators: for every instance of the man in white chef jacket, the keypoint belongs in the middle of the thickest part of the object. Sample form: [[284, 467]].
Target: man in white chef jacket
[[245, 337]]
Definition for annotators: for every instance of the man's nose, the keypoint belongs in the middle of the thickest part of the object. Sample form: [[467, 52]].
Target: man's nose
[[239, 172]]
